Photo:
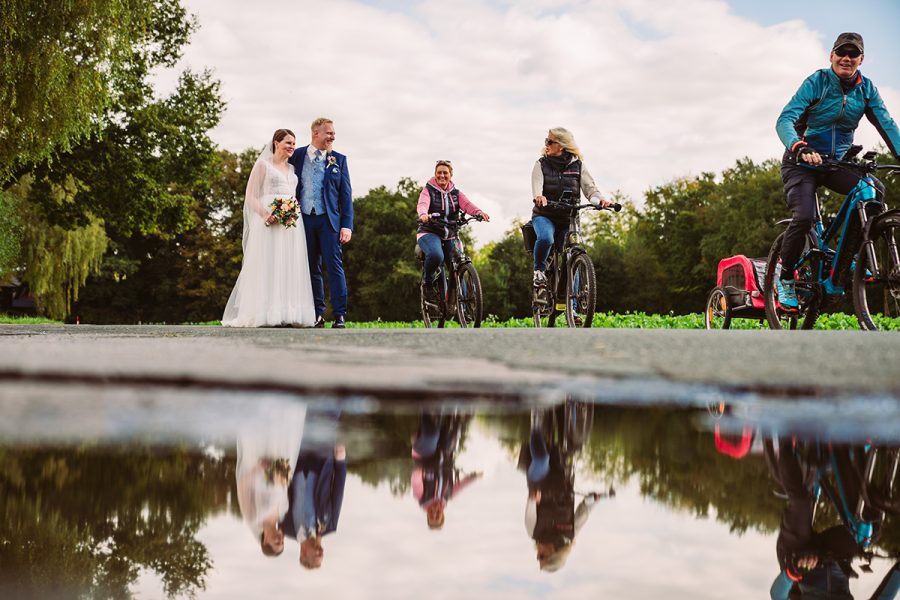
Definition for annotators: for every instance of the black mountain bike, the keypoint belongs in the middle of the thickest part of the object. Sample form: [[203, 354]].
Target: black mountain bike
[[458, 292], [571, 286], [858, 248]]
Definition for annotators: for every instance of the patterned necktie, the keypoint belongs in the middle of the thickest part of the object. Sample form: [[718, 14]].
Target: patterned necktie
[[318, 177]]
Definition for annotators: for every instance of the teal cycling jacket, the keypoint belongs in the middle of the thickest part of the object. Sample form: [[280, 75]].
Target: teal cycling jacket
[[824, 118]]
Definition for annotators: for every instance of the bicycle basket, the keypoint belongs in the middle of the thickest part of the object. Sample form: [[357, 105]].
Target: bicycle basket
[[529, 237]]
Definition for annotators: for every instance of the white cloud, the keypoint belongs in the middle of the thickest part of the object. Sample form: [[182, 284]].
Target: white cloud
[[652, 90]]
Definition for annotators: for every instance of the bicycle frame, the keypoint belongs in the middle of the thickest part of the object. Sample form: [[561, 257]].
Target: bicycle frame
[[863, 194], [559, 257], [455, 263]]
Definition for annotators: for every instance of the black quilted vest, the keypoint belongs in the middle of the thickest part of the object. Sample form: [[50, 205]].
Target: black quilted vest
[[448, 210], [555, 183]]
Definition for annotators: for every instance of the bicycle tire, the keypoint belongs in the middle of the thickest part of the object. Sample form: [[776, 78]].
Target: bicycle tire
[[579, 424], [809, 307], [468, 296], [581, 291], [543, 300], [718, 313], [884, 281], [432, 314]]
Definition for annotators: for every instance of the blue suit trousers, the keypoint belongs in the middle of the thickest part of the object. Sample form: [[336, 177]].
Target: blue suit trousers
[[323, 245]]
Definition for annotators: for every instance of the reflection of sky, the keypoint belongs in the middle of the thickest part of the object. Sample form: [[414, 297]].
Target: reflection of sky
[[629, 548]]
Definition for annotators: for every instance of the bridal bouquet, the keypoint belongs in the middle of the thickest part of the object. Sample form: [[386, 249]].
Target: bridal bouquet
[[276, 470], [285, 211]]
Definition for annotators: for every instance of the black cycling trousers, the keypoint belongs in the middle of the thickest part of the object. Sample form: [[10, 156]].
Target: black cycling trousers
[[800, 185]]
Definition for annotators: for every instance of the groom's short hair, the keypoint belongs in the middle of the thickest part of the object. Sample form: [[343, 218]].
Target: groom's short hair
[[318, 123]]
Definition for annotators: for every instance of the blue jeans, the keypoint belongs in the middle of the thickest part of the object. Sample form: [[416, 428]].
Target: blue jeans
[[435, 250], [547, 232]]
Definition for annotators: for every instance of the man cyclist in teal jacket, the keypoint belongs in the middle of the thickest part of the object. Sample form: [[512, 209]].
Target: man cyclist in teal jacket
[[819, 121]]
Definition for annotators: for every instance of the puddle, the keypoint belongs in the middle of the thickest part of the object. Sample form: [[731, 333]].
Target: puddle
[[165, 492]]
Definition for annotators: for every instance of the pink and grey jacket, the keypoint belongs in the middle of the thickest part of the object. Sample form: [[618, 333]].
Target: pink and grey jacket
[[447, 202]]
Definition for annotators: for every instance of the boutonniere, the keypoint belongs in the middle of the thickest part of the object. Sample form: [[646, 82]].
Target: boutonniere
[[332, 160]]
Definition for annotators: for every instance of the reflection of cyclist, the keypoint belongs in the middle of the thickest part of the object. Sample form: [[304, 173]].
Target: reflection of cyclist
[[436, 239], [559, 170], [435, 478], [551, 518], [814, 564], [820, 119]]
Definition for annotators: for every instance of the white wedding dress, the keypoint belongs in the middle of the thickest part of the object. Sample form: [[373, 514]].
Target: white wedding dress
[[274, 286]]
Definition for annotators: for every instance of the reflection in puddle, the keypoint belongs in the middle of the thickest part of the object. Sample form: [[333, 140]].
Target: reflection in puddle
[[347, 499]]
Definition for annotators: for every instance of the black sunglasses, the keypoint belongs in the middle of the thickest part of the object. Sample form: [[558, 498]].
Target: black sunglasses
[[548, 141], [845, 51], [442, 162]]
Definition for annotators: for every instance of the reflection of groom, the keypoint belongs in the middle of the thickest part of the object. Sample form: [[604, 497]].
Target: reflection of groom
[[315, 497], [326, 202]]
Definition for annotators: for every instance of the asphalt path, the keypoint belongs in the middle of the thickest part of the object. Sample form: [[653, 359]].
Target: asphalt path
[[635, 364]]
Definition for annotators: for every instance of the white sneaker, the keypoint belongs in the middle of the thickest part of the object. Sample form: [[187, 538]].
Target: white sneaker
[[540, 279]]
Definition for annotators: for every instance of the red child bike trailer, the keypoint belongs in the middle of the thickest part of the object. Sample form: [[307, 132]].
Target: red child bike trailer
[[738, 292]]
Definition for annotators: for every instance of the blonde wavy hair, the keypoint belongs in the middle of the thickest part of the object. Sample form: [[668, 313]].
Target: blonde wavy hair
[[566, 140]]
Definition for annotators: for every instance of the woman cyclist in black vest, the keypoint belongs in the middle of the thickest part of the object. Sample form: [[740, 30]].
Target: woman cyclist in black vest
[[436, 239], [559, 170]]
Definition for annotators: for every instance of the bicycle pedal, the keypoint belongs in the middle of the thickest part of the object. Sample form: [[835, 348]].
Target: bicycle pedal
[[560, 307]]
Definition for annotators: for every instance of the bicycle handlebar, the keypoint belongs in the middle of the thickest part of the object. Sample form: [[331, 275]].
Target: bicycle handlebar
[[463, 219], [867, 164], [616, 207]]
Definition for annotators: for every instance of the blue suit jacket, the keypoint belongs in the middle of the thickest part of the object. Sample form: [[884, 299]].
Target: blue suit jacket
[[336, 191], [329, 477]]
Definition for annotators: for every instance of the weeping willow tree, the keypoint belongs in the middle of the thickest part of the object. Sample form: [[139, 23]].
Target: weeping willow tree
[[10, 235], [57, 260]]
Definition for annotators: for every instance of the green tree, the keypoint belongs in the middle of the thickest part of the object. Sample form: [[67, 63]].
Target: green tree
[[10, 234], [62, 64], [382, 272], [604, 236], [209, 254], [505, 269], [83, 522], [144, 175]]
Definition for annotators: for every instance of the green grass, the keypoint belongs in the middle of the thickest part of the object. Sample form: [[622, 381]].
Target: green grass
[[637, 320], [640, 320], [13, 320]]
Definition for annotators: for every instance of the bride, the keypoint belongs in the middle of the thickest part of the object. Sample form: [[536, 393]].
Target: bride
[[273, 288]]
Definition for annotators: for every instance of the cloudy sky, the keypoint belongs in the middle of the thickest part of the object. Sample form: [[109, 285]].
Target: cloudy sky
[[653, 90]]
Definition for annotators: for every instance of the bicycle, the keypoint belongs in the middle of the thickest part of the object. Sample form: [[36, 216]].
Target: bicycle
[[458, 294], [567, 428], [570, 274], [865, 250], [858, 481]]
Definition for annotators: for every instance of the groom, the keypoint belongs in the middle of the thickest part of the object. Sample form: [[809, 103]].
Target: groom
[[326, 201]]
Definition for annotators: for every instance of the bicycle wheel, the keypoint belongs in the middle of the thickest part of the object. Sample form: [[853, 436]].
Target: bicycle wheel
[[581, 291], [876, 285], [807, 291], [579, 421], [718, 313], [432, 309], [468, 297]]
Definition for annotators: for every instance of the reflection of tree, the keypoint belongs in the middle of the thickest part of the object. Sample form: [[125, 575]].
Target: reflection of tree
[[87, 520], [675, 463], [381, 448], [381, 451]]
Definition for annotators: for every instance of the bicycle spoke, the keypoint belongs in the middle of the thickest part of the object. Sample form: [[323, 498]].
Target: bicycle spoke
[[876, 275]]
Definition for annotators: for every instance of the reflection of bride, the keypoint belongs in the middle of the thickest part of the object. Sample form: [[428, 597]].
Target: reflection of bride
[[267, 453], [274, 286]]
